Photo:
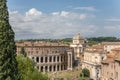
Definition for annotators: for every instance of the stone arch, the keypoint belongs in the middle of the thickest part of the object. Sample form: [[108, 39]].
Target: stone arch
[[50, 58], [54, 59], [50, 68], [57, 58], [61, 67], [57, 67], [41, 59], [46, 68], [85, 72], [54, 68], [46, 59], [41, 69]]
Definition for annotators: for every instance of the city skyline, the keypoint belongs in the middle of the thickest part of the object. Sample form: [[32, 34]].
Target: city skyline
[[64, 18]]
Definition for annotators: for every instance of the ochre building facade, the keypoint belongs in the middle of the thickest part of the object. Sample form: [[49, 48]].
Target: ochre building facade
[[49, 57], [111, 66]]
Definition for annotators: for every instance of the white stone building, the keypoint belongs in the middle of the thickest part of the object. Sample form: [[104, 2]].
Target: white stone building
[[78, 45], [111, 66], [92, 60], [108, 46]]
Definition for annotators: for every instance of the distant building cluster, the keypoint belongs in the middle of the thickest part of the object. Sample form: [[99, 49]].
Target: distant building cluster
[[102, 60]]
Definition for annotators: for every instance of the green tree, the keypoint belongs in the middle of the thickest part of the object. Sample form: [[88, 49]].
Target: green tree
[[23, 52], [85, 72], [8, 62], [27, 69]]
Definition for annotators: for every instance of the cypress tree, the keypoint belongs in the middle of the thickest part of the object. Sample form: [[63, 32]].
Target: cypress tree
[[23, 52], [8, 62]]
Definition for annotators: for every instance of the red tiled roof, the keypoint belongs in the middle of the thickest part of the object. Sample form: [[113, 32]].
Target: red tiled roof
[[110, 43]]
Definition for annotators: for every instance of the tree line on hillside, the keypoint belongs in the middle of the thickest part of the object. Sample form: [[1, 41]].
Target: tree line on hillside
[[96, 40], [91, 40], [65, 40]]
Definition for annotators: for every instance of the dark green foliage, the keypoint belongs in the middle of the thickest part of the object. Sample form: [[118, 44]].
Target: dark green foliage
[[95, 40], [8, 63], [85, 73], [90, 43], [27, 70], [65, 40], [23, 52], [105, 39]]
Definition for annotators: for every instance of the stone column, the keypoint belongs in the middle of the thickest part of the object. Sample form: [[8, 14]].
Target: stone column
[[35, 58], [48, 59], [39, 59], [56, 59], [56, 68], [52, 67], [52, 59], [59, 58], [43, 68], [60, 67], [70, 65], [43, 59], [63, 67], [48, 68]]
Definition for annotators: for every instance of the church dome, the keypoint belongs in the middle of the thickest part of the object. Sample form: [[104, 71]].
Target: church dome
[[78, 37]]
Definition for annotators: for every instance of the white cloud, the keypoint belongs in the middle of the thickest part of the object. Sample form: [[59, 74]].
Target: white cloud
[[33, 12], [35, 24], [64, 13], [83, 16], [113, 19], [55, 13], [86, 8]]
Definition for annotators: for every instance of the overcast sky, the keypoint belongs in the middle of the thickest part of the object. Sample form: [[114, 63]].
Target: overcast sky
[[64, 18]]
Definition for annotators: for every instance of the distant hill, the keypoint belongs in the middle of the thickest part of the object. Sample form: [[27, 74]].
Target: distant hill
[[91, 40], [65, 40], [95, 40]]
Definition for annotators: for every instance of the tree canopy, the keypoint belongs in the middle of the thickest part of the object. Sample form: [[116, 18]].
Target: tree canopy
[[8, 62], [27, 69]]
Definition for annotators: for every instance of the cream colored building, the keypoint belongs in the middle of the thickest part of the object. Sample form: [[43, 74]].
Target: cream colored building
[[111, 66], [50, 57], [78, 44], [92, 60], [108, 46]]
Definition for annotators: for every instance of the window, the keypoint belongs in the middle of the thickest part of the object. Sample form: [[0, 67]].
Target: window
[[55, 51], [54, 58], [36, 52], [45, 59], [37, 59], [50, 59], [41, 59], [32, 58], [38, 67], [102, 58], [95, 57]]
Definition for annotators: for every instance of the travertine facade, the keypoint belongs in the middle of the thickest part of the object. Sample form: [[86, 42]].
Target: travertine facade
[[111, 66], [92, 60], [108, 46], [79, 44], [49, 57]]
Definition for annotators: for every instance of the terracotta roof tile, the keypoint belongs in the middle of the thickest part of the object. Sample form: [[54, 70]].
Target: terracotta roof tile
[[110, 43]]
